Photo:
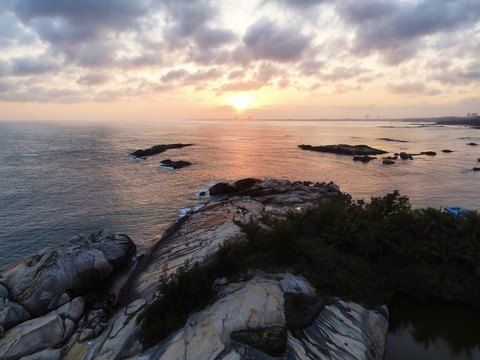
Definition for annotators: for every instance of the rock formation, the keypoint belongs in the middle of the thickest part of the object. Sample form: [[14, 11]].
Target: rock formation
[[41, 297], [157, 149], [74, 317], [344, 149], [175, 164]]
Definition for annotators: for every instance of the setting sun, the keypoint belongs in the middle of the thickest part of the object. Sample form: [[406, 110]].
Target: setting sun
[[241, 100]]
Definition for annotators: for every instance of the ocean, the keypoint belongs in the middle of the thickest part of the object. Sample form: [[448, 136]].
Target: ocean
[[58, 180]]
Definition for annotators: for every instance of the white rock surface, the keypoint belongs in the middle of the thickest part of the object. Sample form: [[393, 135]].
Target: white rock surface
[[343, 331]]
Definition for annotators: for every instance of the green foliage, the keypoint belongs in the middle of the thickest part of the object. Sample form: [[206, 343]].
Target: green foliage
[[362, 253]]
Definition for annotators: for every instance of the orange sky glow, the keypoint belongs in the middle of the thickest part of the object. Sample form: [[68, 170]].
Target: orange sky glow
[[307, 59]]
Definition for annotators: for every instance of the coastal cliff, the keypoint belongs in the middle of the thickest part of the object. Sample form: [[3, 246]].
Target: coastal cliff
[[84, 300]]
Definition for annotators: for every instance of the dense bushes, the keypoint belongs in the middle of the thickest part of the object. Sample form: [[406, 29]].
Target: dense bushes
[[358, 252]]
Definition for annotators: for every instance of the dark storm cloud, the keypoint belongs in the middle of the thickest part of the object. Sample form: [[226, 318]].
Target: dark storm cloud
[[265, 40], [396, 27]]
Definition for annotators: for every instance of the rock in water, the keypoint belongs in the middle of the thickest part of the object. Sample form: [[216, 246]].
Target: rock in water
[[344, 149], [50, 278], [157, 149], [175, 164]]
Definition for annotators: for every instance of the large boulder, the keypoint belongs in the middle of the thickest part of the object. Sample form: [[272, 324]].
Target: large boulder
[[223, 188], [32, 336], [51, 278]]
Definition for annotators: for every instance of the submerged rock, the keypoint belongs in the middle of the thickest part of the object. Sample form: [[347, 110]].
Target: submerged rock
[[344, 149], [157, 149], [363, 158], [429, 153], [388, 162], [447, 151]]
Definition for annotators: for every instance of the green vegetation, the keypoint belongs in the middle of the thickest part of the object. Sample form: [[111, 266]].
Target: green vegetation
[[362, 253]]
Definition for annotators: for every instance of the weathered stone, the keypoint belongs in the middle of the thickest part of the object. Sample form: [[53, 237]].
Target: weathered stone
[[447, 151], [44, 280], [87, 334], [429, 153], [343, 330], [3, 292], [69, 326], [31, 337], [47, 354], [12, 314], [388, 162], [133, 307]]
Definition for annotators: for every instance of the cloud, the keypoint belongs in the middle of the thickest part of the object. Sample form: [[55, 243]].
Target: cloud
[[174, 75], [188, 78], [75, 21], [235, 74], [241, 86], [265, 40], [95, 79], [395, 28], [342, 73], [413, 88], [23, 66], [302, 3], [460, 76]]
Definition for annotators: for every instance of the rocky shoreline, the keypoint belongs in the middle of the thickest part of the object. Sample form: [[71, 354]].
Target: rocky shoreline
[[82, 300]]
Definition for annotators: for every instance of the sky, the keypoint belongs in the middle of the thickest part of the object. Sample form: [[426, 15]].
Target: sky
[[204, 59]]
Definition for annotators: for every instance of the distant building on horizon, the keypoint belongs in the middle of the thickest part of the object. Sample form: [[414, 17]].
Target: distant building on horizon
[[473, 115]]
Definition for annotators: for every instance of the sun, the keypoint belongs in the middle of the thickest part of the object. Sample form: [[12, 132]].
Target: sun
[[241, 100]]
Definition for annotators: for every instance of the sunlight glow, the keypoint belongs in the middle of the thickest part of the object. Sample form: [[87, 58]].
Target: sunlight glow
[[241, 100]]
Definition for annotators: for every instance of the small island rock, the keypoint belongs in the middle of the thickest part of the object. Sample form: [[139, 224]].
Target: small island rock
[[175, 164], [157, 149], [344, 149]]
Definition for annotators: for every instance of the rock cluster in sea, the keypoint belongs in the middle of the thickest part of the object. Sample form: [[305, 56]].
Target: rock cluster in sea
[[82, 300]]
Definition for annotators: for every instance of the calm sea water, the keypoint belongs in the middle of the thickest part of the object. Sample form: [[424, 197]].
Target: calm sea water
[[58, 180]]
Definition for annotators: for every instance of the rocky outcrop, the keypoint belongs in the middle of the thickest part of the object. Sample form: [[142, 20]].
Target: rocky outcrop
[[344, 149], [259, 316], [388, 162], [175, 164], [198, 235], [343, 330], [248, 322], [39, 304], [49, 279], [157, 149], [429, 153]]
